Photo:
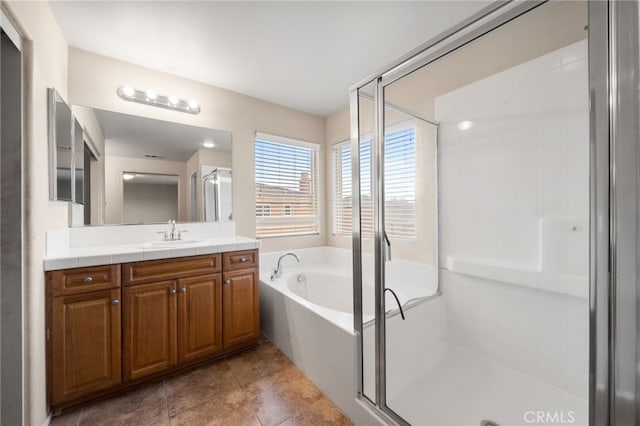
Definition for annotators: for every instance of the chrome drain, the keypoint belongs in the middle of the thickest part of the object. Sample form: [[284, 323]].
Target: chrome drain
[[488, 423]]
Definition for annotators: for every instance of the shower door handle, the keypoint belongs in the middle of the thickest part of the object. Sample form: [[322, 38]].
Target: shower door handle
[[387, 251]]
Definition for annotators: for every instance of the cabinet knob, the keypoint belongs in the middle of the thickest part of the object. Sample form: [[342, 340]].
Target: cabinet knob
[[172, 291], [183, 290], [115, 301], [88, 279], [243, 259], [227, 282]]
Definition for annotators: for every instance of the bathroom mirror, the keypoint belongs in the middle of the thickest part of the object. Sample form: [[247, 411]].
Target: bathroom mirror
[[149, 197], [66, 155], [151, 171]]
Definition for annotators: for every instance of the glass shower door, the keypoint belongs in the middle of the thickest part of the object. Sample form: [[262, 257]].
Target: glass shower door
[[480, 186]]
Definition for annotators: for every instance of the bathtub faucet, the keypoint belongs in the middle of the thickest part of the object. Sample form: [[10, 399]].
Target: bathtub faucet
[[277, 273]]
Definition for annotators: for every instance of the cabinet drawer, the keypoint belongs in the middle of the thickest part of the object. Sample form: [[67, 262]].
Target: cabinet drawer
[[82, 280], [240, 260], [169, 269]]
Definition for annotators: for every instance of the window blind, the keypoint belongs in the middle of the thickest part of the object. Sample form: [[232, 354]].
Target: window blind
[[400, 184], [400, 187], [286, 187]]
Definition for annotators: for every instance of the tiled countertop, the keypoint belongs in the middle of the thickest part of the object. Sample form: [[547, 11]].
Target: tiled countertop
[[110, 254]]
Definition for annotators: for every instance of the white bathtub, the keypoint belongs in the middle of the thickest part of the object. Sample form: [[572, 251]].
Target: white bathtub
[[308, 314]]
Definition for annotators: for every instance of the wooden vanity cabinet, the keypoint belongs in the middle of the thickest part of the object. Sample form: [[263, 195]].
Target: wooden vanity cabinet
[[170, 321], [149, 325], [174, 312], [241, 307], [199, 317], [83, 332]]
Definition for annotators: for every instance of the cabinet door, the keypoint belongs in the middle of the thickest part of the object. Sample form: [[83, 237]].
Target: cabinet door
[[199, 317], [149, 328], [85, 344], [241, 307]]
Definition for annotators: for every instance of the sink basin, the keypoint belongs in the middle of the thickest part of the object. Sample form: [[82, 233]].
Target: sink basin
[[170, 244]]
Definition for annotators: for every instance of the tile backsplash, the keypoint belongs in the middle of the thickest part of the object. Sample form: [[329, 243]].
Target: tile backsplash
[[61, 240]]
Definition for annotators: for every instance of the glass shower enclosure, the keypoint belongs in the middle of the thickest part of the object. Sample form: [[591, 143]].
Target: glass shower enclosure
[[216, 187], [474, 240]]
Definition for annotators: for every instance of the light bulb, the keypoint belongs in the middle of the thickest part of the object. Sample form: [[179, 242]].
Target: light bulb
[[208, 144], [152, 94], [193, 104], [128, 91], [465, 125], [128, 176], [173, 100]]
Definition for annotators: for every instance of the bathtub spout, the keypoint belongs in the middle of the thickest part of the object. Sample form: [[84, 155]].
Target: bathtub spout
[[277, 273]]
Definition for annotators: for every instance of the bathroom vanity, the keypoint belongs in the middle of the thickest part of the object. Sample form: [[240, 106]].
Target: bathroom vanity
[[112, 326]]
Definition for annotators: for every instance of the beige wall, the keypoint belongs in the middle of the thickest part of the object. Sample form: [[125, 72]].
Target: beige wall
[[94, 79], [45, 65], [116, 166]]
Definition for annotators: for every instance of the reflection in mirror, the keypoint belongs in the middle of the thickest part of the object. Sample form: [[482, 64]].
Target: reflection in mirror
[[78, 144], [155, 152], [149, 197], [61, 147], [217, 194]]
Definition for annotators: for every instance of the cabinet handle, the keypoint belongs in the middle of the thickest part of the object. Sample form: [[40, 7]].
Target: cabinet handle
[[172, 291], [227, 282], [183, 290], [243, 259], [88, 279], [115, 301]]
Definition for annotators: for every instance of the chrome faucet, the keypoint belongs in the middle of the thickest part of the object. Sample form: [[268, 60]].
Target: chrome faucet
[[277, 273], [172, 235]]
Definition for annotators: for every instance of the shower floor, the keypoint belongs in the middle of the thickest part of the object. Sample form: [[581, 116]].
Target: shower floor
[[464, 389]]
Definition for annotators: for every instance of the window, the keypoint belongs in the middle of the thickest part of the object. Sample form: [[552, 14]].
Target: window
[[400, 186], [263, 210], [286, 181]]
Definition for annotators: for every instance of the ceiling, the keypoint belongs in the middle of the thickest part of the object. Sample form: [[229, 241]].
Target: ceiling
[[132, 136], [300, 54]]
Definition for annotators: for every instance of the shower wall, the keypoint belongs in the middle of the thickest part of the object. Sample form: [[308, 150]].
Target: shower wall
[[513, 216]]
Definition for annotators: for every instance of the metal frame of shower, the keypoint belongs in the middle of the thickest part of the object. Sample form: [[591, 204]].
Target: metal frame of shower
[[613, 80]]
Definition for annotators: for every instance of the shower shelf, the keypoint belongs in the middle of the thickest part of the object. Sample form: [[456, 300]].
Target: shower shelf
[[520, 275]]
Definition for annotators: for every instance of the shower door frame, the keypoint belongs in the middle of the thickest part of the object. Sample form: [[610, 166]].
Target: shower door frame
[[607, 58]]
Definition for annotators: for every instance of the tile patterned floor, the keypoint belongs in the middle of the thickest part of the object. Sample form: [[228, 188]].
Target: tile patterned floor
[[258, 387]]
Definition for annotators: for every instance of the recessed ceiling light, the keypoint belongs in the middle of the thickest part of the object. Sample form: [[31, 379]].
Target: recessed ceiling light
[[152, 94], [209, 144], [128, 91], [128, 176], [193, 104], [465, 125], [173, 100]]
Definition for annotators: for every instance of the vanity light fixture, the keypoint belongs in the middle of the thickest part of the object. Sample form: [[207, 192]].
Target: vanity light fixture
[[128, 176], [152, 97], [208, 144], [128, 91]]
